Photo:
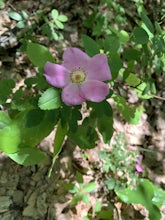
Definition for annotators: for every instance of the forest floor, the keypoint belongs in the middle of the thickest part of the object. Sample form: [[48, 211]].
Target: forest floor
[[27, 193]]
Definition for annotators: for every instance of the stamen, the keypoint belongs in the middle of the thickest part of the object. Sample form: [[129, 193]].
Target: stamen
[[78, 75]]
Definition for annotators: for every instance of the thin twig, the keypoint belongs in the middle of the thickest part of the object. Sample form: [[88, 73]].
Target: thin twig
[[158, 97]]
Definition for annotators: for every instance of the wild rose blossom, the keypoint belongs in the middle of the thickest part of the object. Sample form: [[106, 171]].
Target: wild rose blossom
[[80, 76], [138, 164]]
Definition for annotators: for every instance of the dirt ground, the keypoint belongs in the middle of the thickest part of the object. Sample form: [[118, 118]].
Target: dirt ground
[[26, 193]]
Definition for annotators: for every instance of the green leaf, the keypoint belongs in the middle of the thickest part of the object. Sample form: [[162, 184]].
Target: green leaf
[[79, 177], [14, 15], [21, 24], [105, 126], [77, 198], [33, 130], [73, 119], [2, 4], [111, 44], [90, 187], [90, 20], [10, 138], [106, 213], [85, 136], [85, 198], [132, 80], [131, 54], [147, 21], [28, 156], [30, 82], [116, 64], [97, 206], [6, 86], [62, 18], [34, 118], [38, 54], [4, 120], [90, 45], [24, 14], [123, 36], [54, 14], [159, 196], [98, 25], [130, 113], [59, 138], [86, 218], [100, 109], [159, 44], [158, 28], [59, 24], [143, 194], [140, 35], [50, 99], [54, 35], [110, 184], [142, 92]]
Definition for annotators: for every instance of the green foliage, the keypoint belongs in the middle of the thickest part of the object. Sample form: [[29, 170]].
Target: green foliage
[[14, 15], [91, 46], [6, 86], [105, 126], [116, 64], [10, 138], [2, 4], [119, 165], [143, 90], [141, 44], [146, 194], [102, 117], [58, 19], [90, 187], [132, 80], [35, 125], [97, 206], [4, 120], [81, 192], [52, 26], [130, 113], [59, 138], [135, 47], [61, 132], [28, 156], [85, 136], [21, 18], [38, 54], [9, 134], [140, 35], [50, 99]]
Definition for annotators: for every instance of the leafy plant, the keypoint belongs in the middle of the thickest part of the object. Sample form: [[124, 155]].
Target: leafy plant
[[119, 165], [146, 194], [21, 18], [80, 190], [51, 26]]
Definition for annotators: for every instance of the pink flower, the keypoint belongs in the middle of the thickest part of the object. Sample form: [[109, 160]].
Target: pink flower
[[138, 164], [80, 76]]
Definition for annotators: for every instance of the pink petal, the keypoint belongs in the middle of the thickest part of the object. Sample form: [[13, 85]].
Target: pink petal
[[98, 68], [56, 75], [74, 57], [139, 159], [71, 95], [139, 168], [94, 90]]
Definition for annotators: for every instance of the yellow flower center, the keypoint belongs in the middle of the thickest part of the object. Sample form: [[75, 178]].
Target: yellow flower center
[[78, 75]]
